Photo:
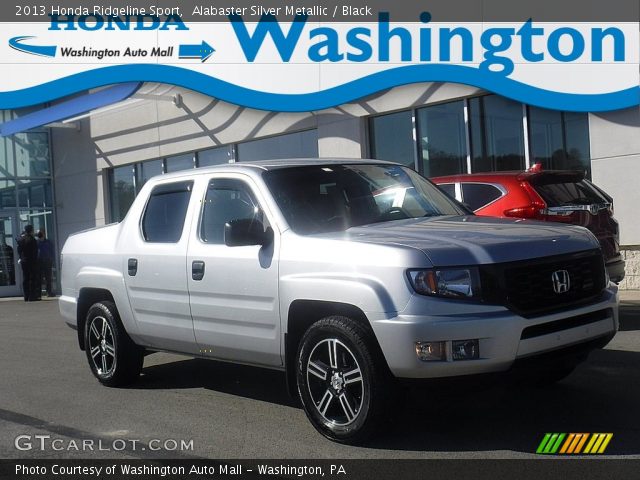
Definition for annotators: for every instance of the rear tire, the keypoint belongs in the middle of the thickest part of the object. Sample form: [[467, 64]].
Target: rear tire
[[113, 357], [342, 381]]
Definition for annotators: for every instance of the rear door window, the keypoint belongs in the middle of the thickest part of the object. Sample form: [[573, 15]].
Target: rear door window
[[163, 218], [478, 195]]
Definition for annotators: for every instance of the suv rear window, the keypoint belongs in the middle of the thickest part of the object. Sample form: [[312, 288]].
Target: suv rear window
[[569, 193]]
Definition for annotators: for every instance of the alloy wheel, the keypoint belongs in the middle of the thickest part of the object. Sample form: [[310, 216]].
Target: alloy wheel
[[335, 382], [102, 346]]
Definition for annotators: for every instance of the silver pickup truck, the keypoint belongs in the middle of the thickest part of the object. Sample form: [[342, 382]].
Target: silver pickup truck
[[348, 275]]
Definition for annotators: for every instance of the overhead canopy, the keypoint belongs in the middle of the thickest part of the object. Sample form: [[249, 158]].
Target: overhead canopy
[[69, 108]]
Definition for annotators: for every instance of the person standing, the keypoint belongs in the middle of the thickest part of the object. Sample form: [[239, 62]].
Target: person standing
[[28, 254], [45, 260]]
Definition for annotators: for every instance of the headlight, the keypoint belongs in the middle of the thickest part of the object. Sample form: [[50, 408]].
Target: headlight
[[449, 282]]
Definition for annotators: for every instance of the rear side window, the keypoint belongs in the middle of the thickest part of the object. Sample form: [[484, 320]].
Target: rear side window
[[478, 195], [166, 210], [448, 188], [569, 193]]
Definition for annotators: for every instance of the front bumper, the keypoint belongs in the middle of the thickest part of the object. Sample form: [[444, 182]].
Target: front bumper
[[504, 337]]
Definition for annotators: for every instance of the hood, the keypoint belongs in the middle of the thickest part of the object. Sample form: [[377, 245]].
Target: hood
[[474, 240]]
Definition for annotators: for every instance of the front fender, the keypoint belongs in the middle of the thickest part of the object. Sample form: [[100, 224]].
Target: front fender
[[367, 293]]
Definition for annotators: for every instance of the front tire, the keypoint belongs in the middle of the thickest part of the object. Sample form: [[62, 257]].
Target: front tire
[[341, 379], [113, 357]]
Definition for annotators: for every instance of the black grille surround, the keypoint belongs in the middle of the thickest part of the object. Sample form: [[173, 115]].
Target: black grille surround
[[526, 287]]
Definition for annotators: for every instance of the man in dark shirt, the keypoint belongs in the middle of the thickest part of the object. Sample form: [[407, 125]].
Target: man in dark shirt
[[28, 254], [45, 257]]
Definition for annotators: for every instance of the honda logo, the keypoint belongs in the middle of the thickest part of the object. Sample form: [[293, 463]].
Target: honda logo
[[561, 281]]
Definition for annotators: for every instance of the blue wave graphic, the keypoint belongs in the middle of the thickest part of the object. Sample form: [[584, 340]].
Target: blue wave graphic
[[331, 97]]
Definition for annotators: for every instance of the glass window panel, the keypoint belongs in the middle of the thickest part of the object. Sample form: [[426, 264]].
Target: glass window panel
[[180, 162], [291, 145], [122, 191], [8, 252], [32, 154], [497, 137], [577, 141], [7, 194], [40, 219], [442, 139], [448, 188], [392, 138], [478, 195], [35, 193], [163, 219], [6, 157], [215, 156], [227, 200], [333, 198], [545, 137], [146, 170], [559, 140], [569, 193]]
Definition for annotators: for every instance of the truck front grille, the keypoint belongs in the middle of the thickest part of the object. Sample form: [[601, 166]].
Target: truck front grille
[[528, 288]]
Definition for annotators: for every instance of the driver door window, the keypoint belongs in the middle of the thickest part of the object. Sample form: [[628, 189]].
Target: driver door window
[[227, 200]]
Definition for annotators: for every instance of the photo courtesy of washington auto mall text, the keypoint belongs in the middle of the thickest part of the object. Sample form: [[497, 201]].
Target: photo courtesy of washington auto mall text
[[355, 239]]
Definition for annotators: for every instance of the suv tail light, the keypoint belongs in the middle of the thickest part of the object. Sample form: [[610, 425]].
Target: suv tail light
[[530, 211], [536, 208]]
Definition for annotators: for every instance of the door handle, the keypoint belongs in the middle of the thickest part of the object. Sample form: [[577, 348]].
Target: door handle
[[197, 270], [132, 266]]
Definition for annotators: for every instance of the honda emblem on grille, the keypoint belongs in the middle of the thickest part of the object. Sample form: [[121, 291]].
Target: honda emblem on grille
[[561, 281]]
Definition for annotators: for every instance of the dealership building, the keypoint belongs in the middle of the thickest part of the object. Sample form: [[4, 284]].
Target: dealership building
[[78, 163]]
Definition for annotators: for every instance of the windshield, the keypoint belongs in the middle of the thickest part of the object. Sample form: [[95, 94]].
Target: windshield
[[332, 198]]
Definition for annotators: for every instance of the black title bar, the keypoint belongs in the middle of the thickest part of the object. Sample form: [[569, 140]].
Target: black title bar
[[342, 11]]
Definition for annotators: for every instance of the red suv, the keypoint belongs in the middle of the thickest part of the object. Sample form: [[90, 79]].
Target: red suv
[[553, 196]]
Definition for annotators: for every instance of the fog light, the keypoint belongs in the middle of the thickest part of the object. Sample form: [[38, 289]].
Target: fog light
[[431, 351], [465, 349]]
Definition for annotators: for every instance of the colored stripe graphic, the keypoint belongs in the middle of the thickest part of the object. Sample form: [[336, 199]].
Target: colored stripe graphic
[[322, 99], [573, 443], [543, 443], [581, 443], [605, 444], [567, 443]]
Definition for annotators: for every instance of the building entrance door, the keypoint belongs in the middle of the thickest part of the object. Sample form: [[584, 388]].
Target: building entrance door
[[10, 275]]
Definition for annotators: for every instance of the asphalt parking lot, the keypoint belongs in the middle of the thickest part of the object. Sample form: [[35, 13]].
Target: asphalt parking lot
[[230, 411]]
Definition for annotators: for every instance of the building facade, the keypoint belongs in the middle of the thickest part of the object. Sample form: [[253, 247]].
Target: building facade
[[26, 195], [104, 158]]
